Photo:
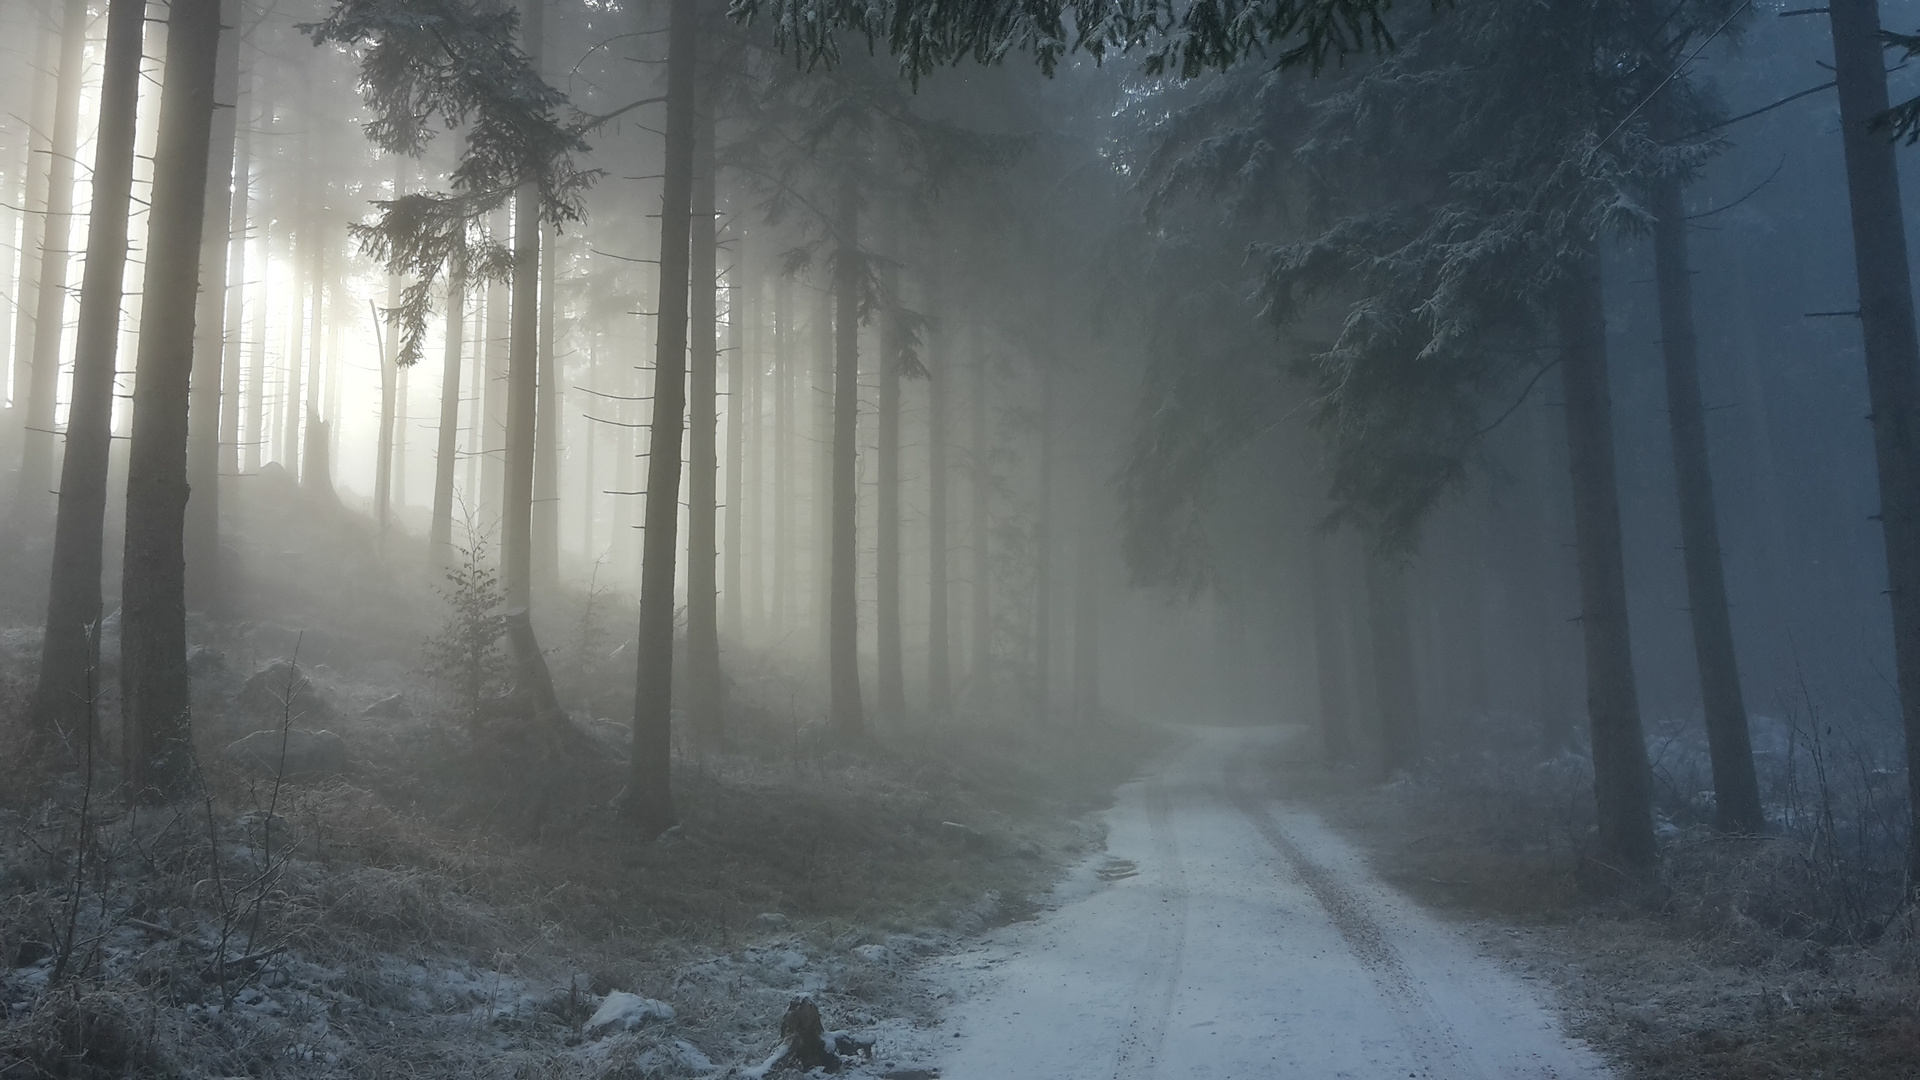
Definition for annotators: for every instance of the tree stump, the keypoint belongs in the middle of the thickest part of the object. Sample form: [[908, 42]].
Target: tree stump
[[806, 1046]]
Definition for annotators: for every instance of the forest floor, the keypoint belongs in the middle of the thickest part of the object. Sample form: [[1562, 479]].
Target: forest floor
[[1730, 965], [404, 916]]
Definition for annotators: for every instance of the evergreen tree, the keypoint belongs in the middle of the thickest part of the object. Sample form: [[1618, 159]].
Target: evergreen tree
[[73, 586], [155, 706]]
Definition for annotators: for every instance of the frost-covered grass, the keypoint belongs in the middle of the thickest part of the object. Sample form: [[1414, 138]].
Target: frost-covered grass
[[342, 935], [413, 917], [1793, 954]]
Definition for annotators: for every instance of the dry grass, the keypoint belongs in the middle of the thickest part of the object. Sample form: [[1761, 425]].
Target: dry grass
[[405, 919], [365, 913]]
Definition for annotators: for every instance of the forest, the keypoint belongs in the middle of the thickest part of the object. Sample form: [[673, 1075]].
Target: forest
[[959, 538]]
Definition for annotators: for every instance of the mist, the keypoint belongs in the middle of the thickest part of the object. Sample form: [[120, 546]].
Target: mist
[[666, 538]]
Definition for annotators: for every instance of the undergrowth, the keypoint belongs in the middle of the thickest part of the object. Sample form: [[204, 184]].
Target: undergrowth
[[1791, 954]]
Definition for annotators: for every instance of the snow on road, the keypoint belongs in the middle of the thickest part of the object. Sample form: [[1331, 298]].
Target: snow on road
[[1224, 934]]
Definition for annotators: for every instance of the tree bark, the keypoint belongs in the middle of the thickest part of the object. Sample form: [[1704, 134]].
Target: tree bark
[[1736, 789], [478, 371], [317, 480], [33, 220], [743, 378], [210, 325], [256, 426], [1395, 689], [153, 635], [227, 461], [980, 669], [939, 621], [523, 345], [626, 543], [823, 361], [1330, 652], [589, 503], [440, 530], [316, 465], [546, 458], [1892, 351], [892, 679], [1621, 776], [35, 497], [843, 639], [1542, 567], [288, 433], [1086, 616], [400, 439], [649, 799], [388, 334], [750, 348], [60, 699], [703, 701], [783, 452], [533, 685], [493, 425], [1043, 558]]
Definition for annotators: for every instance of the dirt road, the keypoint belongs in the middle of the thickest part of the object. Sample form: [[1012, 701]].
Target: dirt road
[[1224, 934]]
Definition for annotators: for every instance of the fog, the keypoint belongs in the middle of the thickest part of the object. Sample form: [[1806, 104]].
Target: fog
[[550, 430]]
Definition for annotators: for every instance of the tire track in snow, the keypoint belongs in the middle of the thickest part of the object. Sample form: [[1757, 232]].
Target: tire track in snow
[[1430, 1038], [1153, 994]]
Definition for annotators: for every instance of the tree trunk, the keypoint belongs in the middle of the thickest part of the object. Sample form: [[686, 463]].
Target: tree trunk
[[227, 461], [589, 502], [256, 425], [892, 680], [1892, 353], [493, 423], [1086, 616], [210, 324], [400, 440], [743, 379], [1330, 652], [33, 222], [1621, 778], [980, 669], [387, 334], [1543, 568], [35, 496], [546, 458], [823, 473], [703, 700], [533, 685], [649, 798], [783, 452], [939, 622], [625, 546], [1395, 688], [1736, 790], [843, 639], [327, 365], [287, 434], [321, 480], [1043, 558], [440, 531], [750, 349], [153, 632], [316, 472], [523, 359], [60, 699]]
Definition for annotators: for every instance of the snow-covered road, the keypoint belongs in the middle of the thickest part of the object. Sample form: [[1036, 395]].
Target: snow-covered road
[[1224, 934]]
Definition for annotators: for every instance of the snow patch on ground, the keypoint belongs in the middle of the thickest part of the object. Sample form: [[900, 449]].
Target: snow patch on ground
[[624, 1012]]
